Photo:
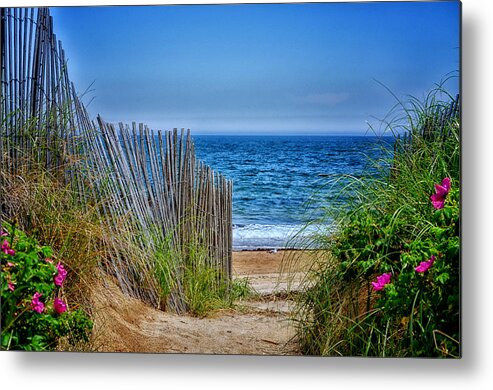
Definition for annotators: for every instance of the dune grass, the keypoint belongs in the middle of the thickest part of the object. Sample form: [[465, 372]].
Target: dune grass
[[391, 227], [206, 289]]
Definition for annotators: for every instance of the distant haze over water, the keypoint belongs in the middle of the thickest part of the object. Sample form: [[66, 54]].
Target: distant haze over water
[[279, 182]]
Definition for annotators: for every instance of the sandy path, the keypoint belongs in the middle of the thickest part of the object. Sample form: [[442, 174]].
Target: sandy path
[[259, 327]]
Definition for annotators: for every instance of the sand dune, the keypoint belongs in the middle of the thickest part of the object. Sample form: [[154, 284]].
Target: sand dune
[[260, 327]]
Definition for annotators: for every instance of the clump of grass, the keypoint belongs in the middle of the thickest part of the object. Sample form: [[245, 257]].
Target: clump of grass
[[205, 288], [391, 227]]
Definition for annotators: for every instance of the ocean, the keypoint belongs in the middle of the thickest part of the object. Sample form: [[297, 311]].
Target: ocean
[[281, 182]]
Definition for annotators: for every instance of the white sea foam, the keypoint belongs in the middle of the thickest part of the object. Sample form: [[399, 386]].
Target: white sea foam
[[258, 236]]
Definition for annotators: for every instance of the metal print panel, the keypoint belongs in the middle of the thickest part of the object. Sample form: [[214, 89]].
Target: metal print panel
[[255, 179]]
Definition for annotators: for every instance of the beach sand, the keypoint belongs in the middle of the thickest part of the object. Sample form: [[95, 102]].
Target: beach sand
[[271, 273], [259, 326], [263, 261]]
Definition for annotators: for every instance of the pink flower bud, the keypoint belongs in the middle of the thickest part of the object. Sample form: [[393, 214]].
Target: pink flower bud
[[5, 248], [441, 191], [60, 276], [425, 265], [36, 304], [382, 280], [59, 306]]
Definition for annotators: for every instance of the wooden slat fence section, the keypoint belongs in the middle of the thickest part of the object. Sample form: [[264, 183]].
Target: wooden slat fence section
[[433, 126], [155, 178], [35, 92], [142, 181]]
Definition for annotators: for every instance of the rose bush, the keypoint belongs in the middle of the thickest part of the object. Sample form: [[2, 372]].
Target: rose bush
[[34, 314], [386, 280]]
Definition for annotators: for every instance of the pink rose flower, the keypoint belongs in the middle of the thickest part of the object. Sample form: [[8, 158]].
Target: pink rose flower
[[382, 280], [60, 276], [425, 265], [441, 191], [59, 306], [10, 264], [36, 304], [3, 233], [11, 286], [6, 248]]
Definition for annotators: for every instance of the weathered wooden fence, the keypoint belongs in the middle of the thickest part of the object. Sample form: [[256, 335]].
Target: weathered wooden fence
[[38, 122], [149, 182], [430, 125], [171, 197]]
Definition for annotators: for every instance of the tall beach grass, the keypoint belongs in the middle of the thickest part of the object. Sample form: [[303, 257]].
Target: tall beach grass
[[390, 227]]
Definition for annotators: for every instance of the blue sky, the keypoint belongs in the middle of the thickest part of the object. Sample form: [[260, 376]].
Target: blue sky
[[258, 69]]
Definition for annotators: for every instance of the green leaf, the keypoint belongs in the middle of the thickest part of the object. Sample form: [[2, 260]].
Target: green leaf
[[443, 277], [5, 339], [47, 252]]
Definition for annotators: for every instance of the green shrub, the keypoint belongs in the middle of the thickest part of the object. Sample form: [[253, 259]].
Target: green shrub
[[34, 314], [392, 230]]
